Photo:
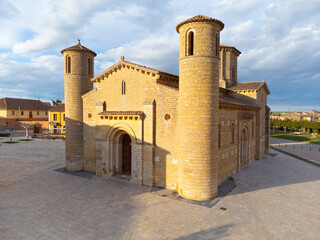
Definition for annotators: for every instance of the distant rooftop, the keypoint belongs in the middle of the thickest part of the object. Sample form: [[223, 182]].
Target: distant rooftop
[[58, 108], [23, 104]]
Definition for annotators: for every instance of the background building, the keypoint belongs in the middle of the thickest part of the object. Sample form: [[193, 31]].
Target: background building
[[57, 119], [13, 111]]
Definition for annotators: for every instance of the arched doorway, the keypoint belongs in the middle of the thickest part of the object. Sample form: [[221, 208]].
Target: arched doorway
[[244, 148], [126, 154]]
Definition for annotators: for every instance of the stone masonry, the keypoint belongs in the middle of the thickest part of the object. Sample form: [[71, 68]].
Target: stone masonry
[[186, 133]]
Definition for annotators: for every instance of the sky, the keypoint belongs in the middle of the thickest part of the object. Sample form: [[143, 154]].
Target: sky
[[279, 41]]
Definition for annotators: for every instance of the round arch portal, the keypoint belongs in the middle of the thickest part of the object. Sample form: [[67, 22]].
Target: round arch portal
[[121, 138]]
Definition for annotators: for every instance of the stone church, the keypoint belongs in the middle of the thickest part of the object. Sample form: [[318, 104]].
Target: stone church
[[186, 133]]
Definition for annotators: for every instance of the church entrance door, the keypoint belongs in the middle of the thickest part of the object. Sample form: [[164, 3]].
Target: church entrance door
[[126, 155]]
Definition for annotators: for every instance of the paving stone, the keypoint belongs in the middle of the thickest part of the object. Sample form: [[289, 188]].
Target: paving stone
[[275, 198]]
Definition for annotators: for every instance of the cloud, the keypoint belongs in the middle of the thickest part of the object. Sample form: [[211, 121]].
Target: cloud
[[7, 10], [40, 77], [156, 51], [279, 40]]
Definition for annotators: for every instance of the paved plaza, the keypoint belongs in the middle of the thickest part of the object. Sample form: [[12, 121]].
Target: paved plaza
[[304, 150], [276, 197]]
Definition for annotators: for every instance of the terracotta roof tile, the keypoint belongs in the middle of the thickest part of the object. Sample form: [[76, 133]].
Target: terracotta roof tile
[[247, 86], [238, 102], [58, 108], [200, 18], [23, 104], [78, 47]]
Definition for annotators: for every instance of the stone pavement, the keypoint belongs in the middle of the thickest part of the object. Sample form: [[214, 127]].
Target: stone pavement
[[306, 151], [276, 198]]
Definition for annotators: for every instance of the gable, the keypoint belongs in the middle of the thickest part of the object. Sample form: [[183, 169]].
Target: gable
[[156, 75]]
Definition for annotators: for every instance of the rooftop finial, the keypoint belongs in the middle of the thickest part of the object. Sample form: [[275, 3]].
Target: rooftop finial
[[79, 42], [122, 58]]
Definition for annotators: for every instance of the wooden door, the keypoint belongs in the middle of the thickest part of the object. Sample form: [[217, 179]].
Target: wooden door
[[126, 155]]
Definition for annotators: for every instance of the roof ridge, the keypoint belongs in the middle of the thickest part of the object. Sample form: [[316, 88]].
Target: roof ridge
[[122, 61]]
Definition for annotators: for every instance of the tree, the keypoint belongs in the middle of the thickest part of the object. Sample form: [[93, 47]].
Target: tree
[[3, 127], [56, 102], [28, 126]]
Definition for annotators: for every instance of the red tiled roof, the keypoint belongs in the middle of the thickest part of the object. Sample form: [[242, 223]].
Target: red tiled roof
[[200, 18], [58, 108], [23, 104], [249, 86], [239, 102], [78, 47]]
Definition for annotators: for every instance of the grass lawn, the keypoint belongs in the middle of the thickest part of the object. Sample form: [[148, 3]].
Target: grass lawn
[[26, 140], [10, 142], [295, 137]]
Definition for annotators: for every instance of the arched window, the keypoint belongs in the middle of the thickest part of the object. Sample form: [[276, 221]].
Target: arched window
[[252, 130], [104, 106], [217, 44], [123, 87], [89, 66], [233, 76], [68, 64], [232, 133], [219, 136], [190, 43]]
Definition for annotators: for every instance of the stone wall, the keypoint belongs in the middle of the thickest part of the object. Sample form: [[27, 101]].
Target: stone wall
[[76, 83]]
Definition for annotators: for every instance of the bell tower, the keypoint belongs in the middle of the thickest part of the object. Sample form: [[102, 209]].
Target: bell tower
[[78, 70], [198, 107]]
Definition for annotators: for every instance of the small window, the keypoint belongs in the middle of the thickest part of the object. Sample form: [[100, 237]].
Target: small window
[[190, 43], [55, 117], [123, 87], [38, 113], [64, 117], [30, 114], [22, 113], [232, 133], [89, 66], [104, 106], [233, 76], [217, 44], [219, 136], [12, 112], [46, 113], [68, 64], [252, 131]]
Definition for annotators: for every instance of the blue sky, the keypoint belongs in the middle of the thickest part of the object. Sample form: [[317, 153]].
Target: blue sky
[[279, 41]]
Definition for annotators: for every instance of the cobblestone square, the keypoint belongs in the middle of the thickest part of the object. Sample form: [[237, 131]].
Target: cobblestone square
[[275, 198]]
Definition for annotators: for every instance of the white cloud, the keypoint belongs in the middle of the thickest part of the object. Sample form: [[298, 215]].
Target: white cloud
[[279, 40], [158, 51], [42, 76]]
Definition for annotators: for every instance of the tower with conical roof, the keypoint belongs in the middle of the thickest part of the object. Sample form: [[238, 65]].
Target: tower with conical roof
[[198, 107], [78, 70]]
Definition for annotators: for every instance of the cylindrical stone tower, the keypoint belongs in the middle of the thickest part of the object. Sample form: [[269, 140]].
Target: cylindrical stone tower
[[78, 70], [198, 107]]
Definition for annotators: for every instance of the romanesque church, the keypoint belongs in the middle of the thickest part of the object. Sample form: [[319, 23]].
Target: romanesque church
[[187, 133]]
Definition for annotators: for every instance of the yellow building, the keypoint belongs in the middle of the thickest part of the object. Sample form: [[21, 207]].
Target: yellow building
[[13, 111], [187, 133], [57, 124]]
